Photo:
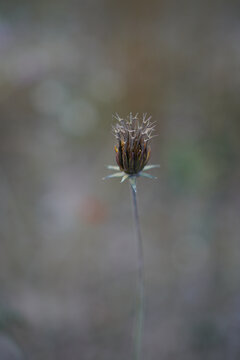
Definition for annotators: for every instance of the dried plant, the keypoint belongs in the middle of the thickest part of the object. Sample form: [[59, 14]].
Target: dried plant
[[132, 155]]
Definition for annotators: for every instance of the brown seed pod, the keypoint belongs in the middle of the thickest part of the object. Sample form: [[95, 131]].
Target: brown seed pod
[[132, 149]]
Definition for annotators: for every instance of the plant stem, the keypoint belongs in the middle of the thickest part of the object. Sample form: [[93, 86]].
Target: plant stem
[[140, 270]]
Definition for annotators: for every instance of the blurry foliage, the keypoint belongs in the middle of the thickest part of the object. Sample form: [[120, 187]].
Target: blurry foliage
[[9, 319], [190, 169], [206, 337]]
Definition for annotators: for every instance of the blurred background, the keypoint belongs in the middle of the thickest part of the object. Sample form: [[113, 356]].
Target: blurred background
[[67, 246]]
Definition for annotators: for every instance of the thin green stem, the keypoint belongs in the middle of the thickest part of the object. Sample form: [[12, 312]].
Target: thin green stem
[[140, 270]]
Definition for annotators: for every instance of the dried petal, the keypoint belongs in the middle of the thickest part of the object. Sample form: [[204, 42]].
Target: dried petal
[[133, 150]]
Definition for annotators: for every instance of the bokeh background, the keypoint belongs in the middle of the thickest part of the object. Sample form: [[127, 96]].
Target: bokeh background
[[67, 245]]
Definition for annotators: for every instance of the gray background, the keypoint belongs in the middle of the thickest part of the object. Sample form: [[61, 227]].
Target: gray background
[[67, 246]]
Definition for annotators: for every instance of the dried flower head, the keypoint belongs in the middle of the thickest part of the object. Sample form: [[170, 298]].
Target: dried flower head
[[132, 149]]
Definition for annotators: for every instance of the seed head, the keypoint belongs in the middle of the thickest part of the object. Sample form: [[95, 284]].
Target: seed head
[[132, 149]]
